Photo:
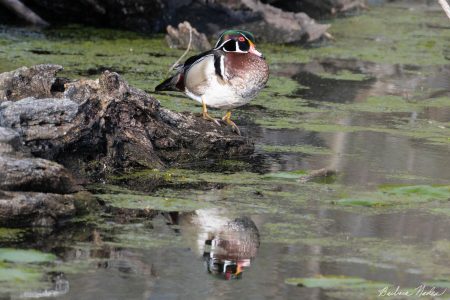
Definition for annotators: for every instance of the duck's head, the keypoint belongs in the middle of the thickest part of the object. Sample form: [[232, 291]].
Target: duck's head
[[238, 41]]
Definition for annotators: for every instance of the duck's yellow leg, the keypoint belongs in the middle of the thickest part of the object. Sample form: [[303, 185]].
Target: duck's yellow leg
[[205, 114], [227, 119]]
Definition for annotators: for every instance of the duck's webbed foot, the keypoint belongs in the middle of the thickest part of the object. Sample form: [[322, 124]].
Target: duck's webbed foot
[[227, 120], [206, 116]]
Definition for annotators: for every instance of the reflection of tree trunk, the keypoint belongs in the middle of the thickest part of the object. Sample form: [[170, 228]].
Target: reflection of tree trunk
[[24, 12], [339, 144]]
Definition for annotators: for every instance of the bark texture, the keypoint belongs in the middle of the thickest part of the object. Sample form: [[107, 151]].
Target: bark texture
[[91, 128]]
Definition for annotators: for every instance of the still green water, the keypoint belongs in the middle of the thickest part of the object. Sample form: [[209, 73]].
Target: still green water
[[373, 105]]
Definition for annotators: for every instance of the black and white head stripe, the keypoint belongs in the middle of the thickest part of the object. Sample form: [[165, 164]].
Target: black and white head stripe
[[235, 46], [234, 34]]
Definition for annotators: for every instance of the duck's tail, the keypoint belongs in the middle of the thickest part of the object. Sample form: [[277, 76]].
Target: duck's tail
[[171, 84]]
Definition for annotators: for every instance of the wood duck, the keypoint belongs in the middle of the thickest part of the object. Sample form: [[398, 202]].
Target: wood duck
[[227, 76]]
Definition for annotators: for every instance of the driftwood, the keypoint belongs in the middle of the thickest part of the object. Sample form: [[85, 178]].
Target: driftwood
[[317, 174], [23, 12], [186, 37]]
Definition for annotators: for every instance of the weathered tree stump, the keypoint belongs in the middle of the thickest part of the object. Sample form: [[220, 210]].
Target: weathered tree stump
[[92, 128]]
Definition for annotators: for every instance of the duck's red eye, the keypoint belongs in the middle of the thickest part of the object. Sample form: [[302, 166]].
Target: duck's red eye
[[241, 39]]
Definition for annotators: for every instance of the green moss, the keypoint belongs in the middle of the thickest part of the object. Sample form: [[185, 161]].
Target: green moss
[[383, 104], [386, 35], [18, 275], [286, 175], [151, 202], [22, 270], [154, 173], [424, 192], [25, 256], [110, 189], [307, 149], [185, 176], [397, 195], [11, 234], [232, 165], [344, 75], [142, 60]]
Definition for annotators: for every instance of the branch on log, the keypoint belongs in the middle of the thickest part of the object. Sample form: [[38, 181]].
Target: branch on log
[[24, 12]]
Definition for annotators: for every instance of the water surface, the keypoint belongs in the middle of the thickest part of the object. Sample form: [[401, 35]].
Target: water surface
[[374, 105]]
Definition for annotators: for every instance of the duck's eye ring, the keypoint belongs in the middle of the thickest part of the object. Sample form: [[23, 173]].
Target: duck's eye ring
[[241, 39]]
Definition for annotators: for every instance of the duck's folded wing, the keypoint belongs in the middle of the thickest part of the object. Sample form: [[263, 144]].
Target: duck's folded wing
[[196, 66]]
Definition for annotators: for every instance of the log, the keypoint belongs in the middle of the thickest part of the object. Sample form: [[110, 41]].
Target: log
[[33, 191], [91, 128], [106, 124], [317, 174]]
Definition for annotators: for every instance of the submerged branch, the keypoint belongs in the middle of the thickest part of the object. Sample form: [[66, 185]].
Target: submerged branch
[[24, 12], [316, 174]]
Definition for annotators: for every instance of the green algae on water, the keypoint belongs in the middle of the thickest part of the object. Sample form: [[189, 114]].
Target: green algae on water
[[397, 195], [17, 275], [25, 256], [344, 75], [334, 282], [144, 202], [307, 149]]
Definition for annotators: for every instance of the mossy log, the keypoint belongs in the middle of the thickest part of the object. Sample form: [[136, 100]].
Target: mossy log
[[92, 128]]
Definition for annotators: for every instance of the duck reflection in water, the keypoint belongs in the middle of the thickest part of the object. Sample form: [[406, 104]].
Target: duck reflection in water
[[230, 249], [228, 245]]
